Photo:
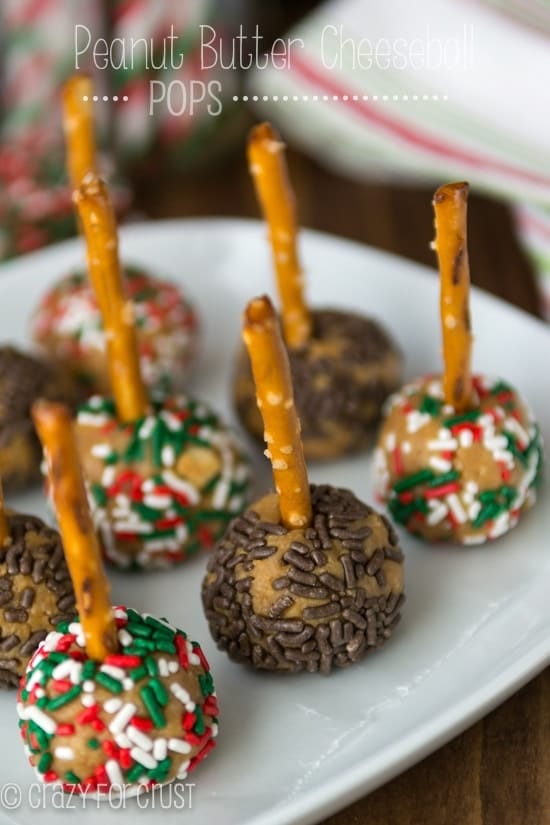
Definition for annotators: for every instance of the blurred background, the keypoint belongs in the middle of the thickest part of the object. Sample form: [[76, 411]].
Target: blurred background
[[367, 144]]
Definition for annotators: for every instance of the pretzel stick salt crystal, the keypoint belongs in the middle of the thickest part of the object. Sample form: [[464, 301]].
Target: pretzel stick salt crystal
[[269, 359], [450, 205], [99, 225], [53, 423], [267, 166], [4, 524], [78, 125]]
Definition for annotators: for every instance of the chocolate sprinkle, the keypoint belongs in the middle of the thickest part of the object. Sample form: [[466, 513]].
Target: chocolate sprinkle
[[34, 557], [333, 622], [23, 379], [332, 393]]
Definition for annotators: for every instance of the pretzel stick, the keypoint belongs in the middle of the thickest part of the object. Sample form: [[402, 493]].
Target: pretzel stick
[[267, 166], [98, 221], [4, 523], [92, 591], [274, 394], [450, 205], [78, 125]]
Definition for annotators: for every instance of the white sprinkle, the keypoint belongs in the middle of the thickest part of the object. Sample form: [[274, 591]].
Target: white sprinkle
[[390, 442], [513, 426], [112, 705], [500, 525], [51, 640], [497, 442], [132, 527], [101, 450], [120, 613], [194, 659], [139, 738], [87, 700], [68, 669], [124, 637], [447, 444], [115, 672], [473, 539], [438, 511], [180, 693], [143, 758], [474, 510], [190, 707], [416, 420], [148, 485], [214, 730], [160, 749], [472, 487], [173, 666], [114, 773], [183, 768], [168, 456], [181, 486], [122, 718], [179, 746], [88, 686], [157, 502], [163, 667], [128, 683], [108, 476], [456, 508], [220, 494], [122, 741], [406, 447], [62, 752], [41, 719], [171, 421], [466, 438], [440, 464]]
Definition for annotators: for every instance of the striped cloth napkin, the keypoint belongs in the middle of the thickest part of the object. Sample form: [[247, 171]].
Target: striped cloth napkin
[[418, 92]]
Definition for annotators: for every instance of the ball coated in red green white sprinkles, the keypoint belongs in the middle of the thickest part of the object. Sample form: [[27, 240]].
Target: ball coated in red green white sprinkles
[[464, 478], [162, 487], [143, 717], [67, 326]]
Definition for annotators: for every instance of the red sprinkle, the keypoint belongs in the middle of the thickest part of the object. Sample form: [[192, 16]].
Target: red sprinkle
[[406, 497], [110, 749], [97, 725], [203, 754], [397, 460], [62, 685], [141, 723], [50, 776], [125, 759], [442, 490], [181, 647], [87, 715], [65, 729], [188, 720], [210, 706], [123, 660], [197, 650]]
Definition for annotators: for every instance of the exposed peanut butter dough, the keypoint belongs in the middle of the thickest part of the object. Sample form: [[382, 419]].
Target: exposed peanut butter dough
[[464, 477], [23, 379], [35, 592], [67, 326], [162, 487], [341, 378], [145, 716], [309, 598]]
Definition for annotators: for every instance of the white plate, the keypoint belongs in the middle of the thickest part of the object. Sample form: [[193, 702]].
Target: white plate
[[476, 624]]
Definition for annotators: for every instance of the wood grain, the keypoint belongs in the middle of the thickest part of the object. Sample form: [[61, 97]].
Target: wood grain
[[498, 771]]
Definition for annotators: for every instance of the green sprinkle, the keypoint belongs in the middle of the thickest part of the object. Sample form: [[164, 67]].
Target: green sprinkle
[[133, 616], [65, 698], [206, 683], [430, 405], [146, 513], [93, 744], [153, 709], [157, 440], [160, 692], [63, 627], [41, 736], [452, 475], [99, 494], [108, 682], [45, 762], [138, 673], [199, 726], [112, 458], [165, 646], [88, 669], [72, 777], [209, 486], [42, 702], [141, 630], [486, 514], [134, 773], [158, 625], [151, 665], [470, 415], [411, 481]]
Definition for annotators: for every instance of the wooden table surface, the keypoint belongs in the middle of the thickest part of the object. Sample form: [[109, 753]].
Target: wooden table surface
[[498, 771]]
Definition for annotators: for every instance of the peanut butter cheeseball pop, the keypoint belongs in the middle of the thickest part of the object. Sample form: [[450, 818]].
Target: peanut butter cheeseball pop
[[165, 475], [67, 324], [459, 456], [113, 700], [35, 589], [309, 578], [343, 365]]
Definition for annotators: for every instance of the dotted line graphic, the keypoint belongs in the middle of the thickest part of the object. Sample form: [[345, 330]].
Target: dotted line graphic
[[104, 98], [335, 98]]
